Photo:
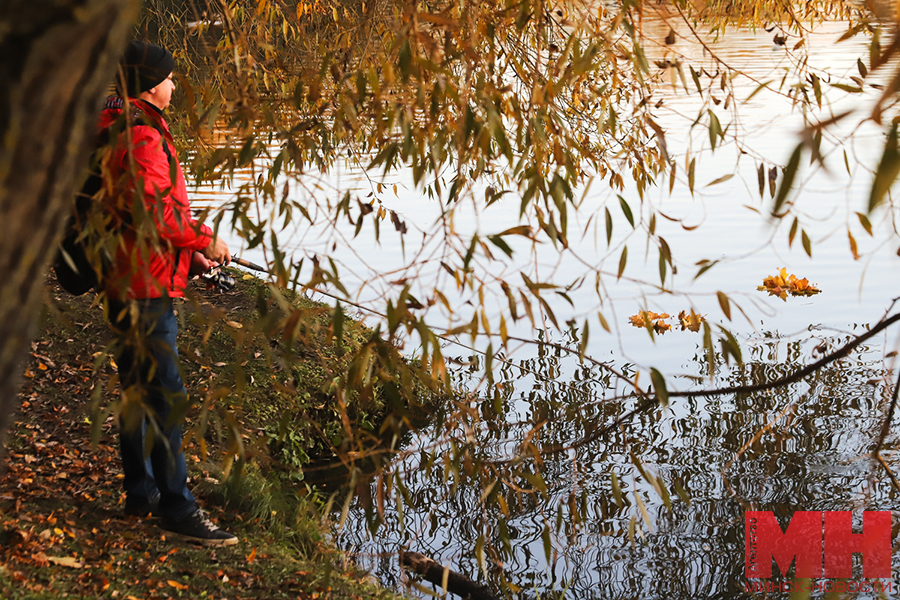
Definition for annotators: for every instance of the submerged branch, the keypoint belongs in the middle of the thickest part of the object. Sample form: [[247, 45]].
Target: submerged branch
[[649, 402], [442, 576]]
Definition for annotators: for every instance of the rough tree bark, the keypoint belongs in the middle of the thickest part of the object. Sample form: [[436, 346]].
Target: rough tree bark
[[55, 60]]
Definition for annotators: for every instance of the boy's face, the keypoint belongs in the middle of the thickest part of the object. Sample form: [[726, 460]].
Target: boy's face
[[161, 95]]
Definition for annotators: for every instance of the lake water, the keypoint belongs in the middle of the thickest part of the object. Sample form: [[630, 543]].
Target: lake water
[[803, 447]]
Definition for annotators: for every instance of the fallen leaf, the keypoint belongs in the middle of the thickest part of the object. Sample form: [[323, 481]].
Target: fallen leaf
[[648, 318], [638, 319], [176, 585], [65, 561], [784, 284], [252, 556], [691, 321], [234, 324]]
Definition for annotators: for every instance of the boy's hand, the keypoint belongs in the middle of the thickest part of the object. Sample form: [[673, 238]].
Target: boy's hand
[[217, 251], [200, 264]]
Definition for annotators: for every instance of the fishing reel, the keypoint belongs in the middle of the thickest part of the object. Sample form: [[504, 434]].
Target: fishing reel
[[218, 279]]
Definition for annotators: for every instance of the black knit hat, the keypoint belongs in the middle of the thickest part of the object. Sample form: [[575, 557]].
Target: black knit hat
[[145, 66]]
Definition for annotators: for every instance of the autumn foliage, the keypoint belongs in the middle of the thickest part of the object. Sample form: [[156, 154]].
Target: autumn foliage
[[784, 285], [688, 321]]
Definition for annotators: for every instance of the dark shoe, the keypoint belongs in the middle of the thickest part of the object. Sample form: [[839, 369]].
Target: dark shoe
[[142, 509], [198, 529]]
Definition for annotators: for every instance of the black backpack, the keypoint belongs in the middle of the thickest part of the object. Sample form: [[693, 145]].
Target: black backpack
[[73, 269]]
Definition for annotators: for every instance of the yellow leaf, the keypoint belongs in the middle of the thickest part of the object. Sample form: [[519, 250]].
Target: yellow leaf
[[691, 321], [177, 585], [785, 284], [65, 561], [853, 247]]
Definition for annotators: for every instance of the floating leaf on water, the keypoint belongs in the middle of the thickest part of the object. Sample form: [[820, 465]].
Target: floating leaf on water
[[650, 320], [784, 285], [657, 322], [691, 321]]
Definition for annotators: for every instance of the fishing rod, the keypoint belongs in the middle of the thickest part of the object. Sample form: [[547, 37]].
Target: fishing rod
[[222, 281], [246, 263], [255, 267]]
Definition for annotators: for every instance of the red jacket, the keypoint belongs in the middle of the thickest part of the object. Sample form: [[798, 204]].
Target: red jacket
[[148, 265]]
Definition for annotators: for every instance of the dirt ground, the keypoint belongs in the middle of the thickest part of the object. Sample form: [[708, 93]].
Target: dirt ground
[[63, 532]]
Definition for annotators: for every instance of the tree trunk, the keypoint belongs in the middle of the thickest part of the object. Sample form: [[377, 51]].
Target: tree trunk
[[55, 60]]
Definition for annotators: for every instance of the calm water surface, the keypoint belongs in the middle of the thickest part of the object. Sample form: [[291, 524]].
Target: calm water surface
[[803, 447]]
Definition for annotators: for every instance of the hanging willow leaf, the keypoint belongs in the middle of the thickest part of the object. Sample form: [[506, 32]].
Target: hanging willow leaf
[[609, 226], [662, 269], [644, 514], [603, 323], [660, 137], [731, 347], [582, 344], [817, 89], [721, 179], [548, 547], [787, 180], [696, 77], [853, 249], [710, 351], [627, 210], [622, 260], [864, 221], [659, 385], [705, 265], [617, 491], [761, 177], [724, 304], [807, 245], [850, 89], [762, 86], [691, 175], [887, 171], [715, 129]]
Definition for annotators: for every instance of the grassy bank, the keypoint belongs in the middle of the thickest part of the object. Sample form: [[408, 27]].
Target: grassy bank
[[271, 381]]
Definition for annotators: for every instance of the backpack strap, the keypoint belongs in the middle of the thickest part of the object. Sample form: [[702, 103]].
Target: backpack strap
[[139, 117]]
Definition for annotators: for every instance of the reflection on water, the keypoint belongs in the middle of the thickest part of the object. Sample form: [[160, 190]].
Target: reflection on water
[[804, 447]]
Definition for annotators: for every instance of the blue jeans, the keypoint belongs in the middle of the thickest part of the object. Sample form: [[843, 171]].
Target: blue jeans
[[148, 364]]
